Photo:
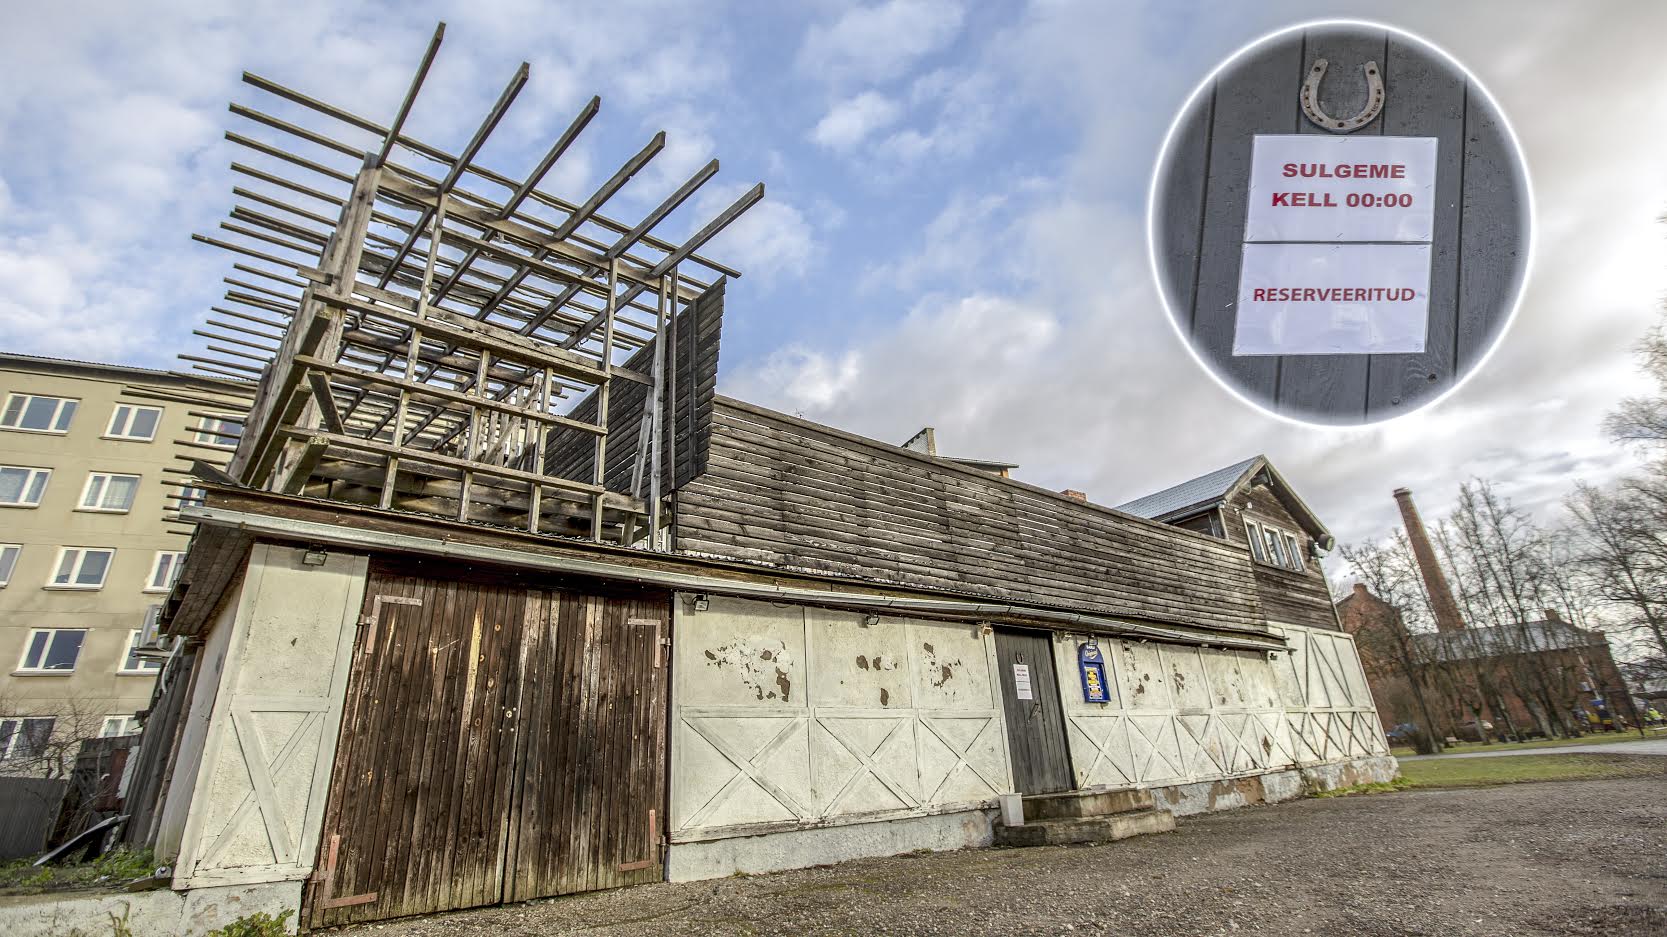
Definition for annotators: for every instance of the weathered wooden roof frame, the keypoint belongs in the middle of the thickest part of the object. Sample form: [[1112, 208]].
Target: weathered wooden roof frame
[[391, 321]]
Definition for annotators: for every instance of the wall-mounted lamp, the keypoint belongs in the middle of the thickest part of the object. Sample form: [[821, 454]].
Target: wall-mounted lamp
[[869, 621], [702, 603], [315, 556]]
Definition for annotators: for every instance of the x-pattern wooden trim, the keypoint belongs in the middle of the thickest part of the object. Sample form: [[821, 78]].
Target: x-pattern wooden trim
[[262, 791], [961, 759], [1101, 753], [1156, 752], [865, 760], [747, 768]]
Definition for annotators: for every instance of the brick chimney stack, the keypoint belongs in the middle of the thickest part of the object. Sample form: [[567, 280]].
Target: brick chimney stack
[[1447, 616]]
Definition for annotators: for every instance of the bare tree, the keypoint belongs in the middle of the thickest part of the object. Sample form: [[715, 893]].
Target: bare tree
[[1622, 552], [1390, 574], [36, 748]]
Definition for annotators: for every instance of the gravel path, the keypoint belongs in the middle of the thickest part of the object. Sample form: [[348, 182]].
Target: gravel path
[[1638, 747], [1574, 858]]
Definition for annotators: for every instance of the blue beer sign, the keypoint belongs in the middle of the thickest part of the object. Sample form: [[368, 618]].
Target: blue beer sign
[[1092, 666]]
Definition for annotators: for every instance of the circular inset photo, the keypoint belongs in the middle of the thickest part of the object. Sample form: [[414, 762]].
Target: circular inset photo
[[1340, 223]]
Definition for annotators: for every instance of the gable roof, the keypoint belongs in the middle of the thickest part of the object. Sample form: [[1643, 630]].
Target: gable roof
[[1198, 493], [1211, 489]]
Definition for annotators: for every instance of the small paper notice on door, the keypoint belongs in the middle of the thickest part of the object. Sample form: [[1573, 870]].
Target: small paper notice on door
[[1021, 681]]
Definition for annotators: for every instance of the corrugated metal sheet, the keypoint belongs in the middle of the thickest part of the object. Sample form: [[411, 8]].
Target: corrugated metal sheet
[[1201, 490]]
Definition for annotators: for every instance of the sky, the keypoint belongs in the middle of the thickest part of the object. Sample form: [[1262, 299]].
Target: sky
[[954, 230]]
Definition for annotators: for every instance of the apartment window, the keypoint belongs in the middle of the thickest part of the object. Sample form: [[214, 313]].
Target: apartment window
[[164, 571], [109, 493], [52, 650], [117, 726], [25, 737], [133, 663], [32, 413], [222, 431], [22, 487], [81, 568], [136, 423], [9, 552], [1274, 546]]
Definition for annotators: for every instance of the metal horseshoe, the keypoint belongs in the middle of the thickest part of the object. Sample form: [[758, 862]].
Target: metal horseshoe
[[1311, 99]]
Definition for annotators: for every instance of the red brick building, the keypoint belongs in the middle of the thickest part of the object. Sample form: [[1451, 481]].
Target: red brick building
[[1528, 678]]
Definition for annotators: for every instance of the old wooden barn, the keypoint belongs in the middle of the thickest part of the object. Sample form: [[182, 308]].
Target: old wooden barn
[[499, 599]]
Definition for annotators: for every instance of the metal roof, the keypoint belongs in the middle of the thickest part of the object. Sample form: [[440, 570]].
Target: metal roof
[[1503, 640], [1203, 490]]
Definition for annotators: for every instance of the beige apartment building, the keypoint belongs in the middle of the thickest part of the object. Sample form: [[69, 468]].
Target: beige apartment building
[[89, 542]]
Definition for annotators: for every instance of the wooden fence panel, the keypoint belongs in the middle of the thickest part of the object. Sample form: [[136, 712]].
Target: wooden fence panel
[[28, 811]]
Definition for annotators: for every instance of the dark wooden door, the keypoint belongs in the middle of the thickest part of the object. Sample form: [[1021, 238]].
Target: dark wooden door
[[1035, 718], [498, 743]]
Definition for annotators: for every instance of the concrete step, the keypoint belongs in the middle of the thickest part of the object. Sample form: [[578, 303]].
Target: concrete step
[[1075, 804], [1105, 829]]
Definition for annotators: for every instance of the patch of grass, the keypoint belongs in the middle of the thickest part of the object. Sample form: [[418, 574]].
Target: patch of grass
[[1374, 787], [19, 877], [259, 924], [1479, 772], [1462, 748]]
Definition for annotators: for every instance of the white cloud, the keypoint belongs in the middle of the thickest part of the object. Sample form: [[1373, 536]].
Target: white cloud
[[772, 240], [1077, 376], [880, 42], [851, 121]]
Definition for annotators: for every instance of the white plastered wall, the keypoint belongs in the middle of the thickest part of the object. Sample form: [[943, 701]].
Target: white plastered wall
[[260, 786], [1180, 714], [786, 717]]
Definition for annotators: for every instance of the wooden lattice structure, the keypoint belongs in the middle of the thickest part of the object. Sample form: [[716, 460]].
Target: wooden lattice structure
[[451, 340]]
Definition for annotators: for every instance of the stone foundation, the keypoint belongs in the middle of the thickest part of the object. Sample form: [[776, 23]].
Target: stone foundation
[[1274, 787], [160, 913]]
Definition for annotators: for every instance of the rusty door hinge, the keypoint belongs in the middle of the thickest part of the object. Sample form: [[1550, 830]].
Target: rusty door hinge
[[653, 848], [323, 882], [370, 621]]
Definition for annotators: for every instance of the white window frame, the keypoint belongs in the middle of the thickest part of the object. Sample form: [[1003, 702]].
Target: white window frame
[[127, 724], [45, 476], [175, 559], [1253, 533], [10, 553], [103, 479], [210, 430], [75, 573], [8, 749], [29, 643], [144, 668], [59, 416], [1275, 546], [132, 410]]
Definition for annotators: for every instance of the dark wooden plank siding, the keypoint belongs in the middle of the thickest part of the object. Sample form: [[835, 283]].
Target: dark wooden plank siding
[[1477, 172], [1429, 101], [792, 494], [502, 740], [698, 331], [1286, 596], [1313, 383]]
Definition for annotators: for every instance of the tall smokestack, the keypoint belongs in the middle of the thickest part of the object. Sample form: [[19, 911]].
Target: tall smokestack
[[1447, 616]]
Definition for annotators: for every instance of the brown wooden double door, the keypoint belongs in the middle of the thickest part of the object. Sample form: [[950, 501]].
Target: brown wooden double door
[[499, 742]]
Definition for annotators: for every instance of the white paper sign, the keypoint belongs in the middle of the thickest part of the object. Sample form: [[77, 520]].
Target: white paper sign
[[1021, 681], [1322, 299], [1330, 188]]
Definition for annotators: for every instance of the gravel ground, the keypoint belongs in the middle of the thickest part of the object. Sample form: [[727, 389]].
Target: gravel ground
[[1566, 858]]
